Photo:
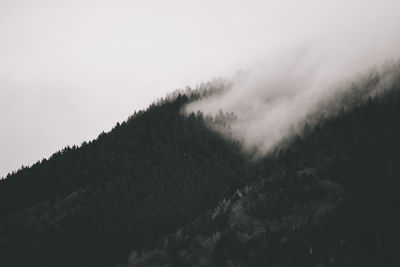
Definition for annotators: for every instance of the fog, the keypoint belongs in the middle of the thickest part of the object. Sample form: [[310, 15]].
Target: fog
[[71, 69], [275, 96]]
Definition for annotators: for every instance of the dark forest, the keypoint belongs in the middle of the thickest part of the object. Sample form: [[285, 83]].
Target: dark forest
[[164, 189]]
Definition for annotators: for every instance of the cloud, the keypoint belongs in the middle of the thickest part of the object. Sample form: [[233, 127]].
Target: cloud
[[278, 94]]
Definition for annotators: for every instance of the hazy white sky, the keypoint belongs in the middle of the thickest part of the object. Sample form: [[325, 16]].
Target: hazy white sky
[[70, 69]]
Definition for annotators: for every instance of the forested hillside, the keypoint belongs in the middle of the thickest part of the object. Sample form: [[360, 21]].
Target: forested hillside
[[329, 197], [89, 206], [162, 189]]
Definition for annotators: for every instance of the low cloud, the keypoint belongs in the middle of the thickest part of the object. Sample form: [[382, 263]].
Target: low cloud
[[276, 96]]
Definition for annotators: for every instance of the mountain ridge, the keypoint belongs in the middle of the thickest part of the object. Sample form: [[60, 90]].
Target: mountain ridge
[[163, 189]]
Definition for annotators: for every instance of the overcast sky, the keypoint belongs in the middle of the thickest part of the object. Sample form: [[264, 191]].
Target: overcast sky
[[71, 69]]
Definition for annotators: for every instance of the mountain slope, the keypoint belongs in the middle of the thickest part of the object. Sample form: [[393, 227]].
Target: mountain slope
[[162, 189], [330, 198], [89, 206]]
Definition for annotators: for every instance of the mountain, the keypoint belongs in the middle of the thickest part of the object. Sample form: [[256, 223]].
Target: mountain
[[89, 206], [163, 189], [330, 198]]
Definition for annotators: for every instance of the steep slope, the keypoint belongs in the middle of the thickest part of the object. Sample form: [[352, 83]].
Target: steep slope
[[162, 189], [89, 206], [330, 198]]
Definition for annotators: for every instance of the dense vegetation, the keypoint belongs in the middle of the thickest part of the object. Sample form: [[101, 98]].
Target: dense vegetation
[[161, 189], [89, 206], [330, 199]]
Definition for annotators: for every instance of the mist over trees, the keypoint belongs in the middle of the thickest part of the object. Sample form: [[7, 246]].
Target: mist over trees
[[274, 100], [327, 196], [164, 189]]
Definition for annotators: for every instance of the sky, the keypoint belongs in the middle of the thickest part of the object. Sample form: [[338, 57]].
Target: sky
[[71, 69]]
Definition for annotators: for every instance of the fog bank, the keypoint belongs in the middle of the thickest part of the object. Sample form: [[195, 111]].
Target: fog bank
[[276, 96]]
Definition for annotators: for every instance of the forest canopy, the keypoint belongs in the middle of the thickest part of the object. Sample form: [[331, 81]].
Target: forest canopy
[[164, 189]]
